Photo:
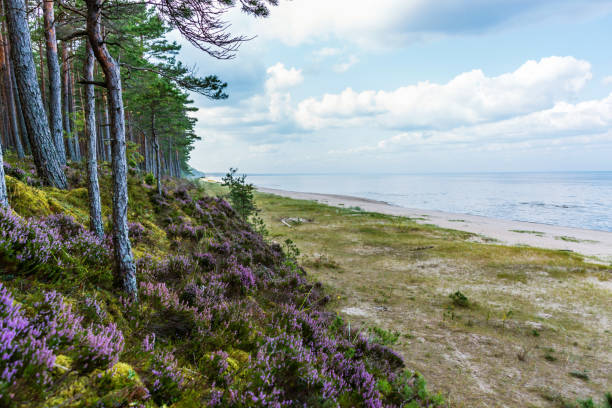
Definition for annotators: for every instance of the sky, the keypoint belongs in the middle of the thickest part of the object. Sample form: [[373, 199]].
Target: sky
[[412, 86]]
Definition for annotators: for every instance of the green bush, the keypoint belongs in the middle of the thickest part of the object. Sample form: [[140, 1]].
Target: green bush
[[382, 336], [241, 194], [459, 299], [150, 179]]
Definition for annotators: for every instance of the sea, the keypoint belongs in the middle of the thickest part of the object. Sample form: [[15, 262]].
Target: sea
[[570, 199]]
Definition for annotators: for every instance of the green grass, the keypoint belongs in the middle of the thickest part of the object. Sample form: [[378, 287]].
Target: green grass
[[572, 239], [537, 233]]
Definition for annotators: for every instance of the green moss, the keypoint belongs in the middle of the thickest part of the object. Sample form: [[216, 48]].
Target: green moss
[[27, 201], [190, 399], [63, 364], [239, 357], [123, 375], [73, 395], [72, 202]]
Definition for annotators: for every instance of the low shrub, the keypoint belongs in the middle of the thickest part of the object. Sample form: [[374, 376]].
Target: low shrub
[[459, 299]]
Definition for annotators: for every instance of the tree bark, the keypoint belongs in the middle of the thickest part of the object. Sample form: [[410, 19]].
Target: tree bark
[[93, 187], [45, 154], [99, 121], [72, 110], [10, 96], [106, 141], [55, 80], [3, 193], [65, 83], [22, 126], [157, 159], [125, 270], [43, 85]]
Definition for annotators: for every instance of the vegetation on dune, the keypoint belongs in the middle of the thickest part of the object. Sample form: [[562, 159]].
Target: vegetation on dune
[[487, 324], [224, 318]]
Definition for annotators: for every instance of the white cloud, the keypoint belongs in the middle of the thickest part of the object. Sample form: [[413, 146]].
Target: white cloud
[[563, 124], [532, 106], [259, 118], [607, 80], [281, 78], [346, 65], [469, 98], [387, 22]]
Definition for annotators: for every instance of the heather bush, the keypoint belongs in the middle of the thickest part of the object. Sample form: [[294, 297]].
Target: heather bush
[[30, 346], [240, 279], [166, 380], [26, 356], [137, 232], [206, 261], [48, 245], [186, 230], [93, 309], [99, 347], [217, 368], [14, 172], [77, 241]]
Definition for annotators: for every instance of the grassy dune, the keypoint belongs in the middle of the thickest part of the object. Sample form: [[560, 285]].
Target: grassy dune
[[532, 329]]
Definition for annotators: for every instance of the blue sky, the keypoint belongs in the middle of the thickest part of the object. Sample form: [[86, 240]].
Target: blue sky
[[413, 86]]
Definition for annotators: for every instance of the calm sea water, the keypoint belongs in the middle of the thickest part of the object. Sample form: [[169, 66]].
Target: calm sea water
[[580, 199]]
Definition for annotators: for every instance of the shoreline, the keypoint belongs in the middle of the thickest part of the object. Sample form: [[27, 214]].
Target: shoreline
[[593, 244]]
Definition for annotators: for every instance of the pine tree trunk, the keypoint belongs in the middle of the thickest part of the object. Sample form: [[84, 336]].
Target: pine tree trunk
[[3, 124], [99, 124], [130, 127], [101, 150], [43, 85], [157, 159], [106, 142], [72, 109], [3, 193], [65, 83], [6, 112], [22, 126], [43, 148], [125, 270], [95, 206], [146, 153], [10, 98], [55, 80]]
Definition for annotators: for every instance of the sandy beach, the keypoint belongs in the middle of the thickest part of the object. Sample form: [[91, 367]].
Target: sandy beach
[[596, 245]]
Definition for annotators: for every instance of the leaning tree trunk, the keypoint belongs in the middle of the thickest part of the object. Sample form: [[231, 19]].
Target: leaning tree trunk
[[55, 80], [125, 270], [157, 159], [3, 194], [45, 154], [95, 206]]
